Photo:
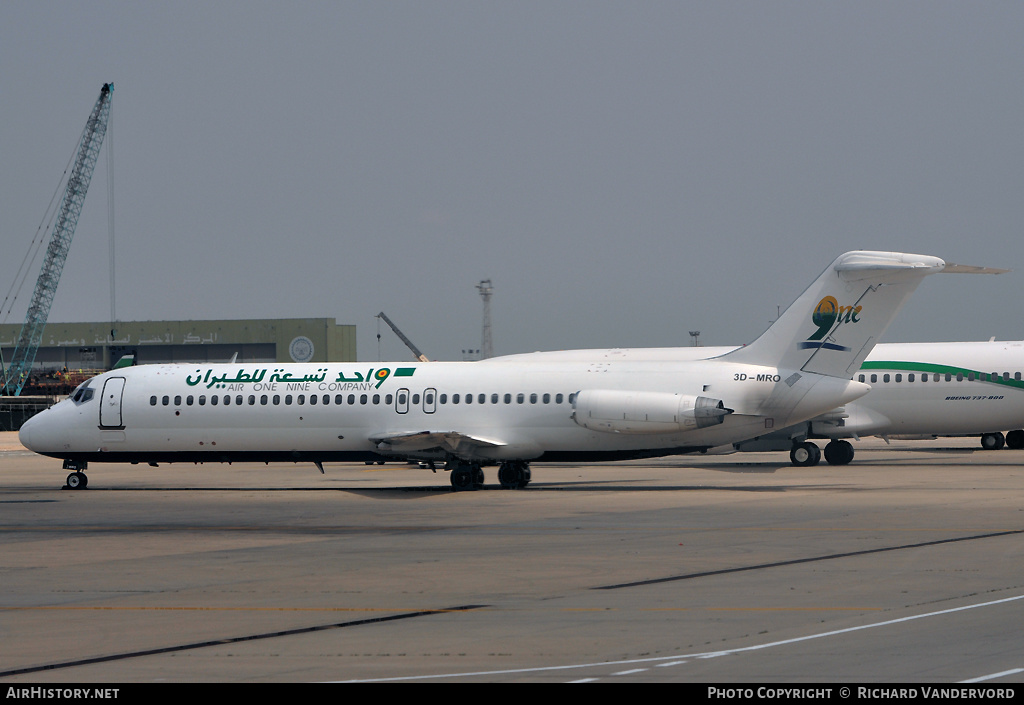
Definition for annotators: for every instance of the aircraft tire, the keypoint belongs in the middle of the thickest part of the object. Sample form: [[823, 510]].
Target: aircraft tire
[[1015, 439], [463, 478], [992, 441], [77, 481], [805, 455], [839, 452], [507, 476], [513, 475]]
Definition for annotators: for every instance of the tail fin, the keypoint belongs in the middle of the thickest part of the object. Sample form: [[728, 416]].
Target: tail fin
[[835, 323]]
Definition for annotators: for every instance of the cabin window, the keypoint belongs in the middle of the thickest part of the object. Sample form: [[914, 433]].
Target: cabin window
[[287, 399], [558, 398], [252, 400], [924, 378], [376, 398], [338, 399], [874, 379], [547, 398], [861, 378], [910, 377], [428, 398], [455, 398], [277, 399], [327, 399], [166, 400], [443, 398], [263, 400], [533, 398], [520, 398], [362, 398], [494, 398], [899, 378], [213, 400], [312, 398], [508, 398], [152, 401], [387, 399], [301, 399], [469, 398], [402, 399], [351, 398], [227, 400], [202, 400], [189, 399], [1016, 376], [885, 378]]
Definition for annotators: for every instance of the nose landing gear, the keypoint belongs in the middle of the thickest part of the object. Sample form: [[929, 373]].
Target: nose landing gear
[[77, 480]]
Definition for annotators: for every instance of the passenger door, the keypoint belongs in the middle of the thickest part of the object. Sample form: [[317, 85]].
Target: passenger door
[[110, 403]]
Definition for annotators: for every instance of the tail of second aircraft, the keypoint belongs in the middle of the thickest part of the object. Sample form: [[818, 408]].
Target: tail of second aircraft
[[835, 323]]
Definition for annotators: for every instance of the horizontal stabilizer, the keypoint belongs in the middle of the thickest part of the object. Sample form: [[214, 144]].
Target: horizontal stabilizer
[[971, 269]]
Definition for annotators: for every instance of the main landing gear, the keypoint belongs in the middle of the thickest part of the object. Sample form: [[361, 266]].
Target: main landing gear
[[807, 454], [78, 479], [513, 475]]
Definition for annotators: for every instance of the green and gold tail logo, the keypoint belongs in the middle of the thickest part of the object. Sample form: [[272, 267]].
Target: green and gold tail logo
[[828, 315]]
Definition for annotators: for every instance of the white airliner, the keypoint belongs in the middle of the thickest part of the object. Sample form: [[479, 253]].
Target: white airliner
[[506, 411], [919, 390]]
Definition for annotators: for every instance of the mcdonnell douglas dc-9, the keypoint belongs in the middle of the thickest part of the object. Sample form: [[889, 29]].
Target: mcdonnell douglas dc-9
[[576, 406]]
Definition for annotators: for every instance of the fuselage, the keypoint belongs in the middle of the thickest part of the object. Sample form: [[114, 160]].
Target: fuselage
[[942, 389], [519, 407]]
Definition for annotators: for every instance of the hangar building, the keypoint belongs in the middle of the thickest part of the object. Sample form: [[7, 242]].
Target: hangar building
[[95, 347]]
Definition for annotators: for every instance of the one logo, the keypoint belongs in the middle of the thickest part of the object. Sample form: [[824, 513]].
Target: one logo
[[829, 315]]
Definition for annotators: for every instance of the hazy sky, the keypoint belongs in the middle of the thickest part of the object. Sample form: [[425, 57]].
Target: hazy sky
[[623, 172]]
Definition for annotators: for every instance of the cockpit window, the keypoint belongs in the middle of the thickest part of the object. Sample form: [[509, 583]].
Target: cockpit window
[[82, 394]]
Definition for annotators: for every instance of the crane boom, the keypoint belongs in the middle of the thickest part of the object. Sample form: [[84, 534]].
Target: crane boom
[[60, 242], [415, 351]]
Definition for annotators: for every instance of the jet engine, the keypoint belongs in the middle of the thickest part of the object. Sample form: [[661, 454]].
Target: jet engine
[[617, 411]]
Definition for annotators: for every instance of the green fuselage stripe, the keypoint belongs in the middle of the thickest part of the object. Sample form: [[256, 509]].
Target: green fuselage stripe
[[930, 368]]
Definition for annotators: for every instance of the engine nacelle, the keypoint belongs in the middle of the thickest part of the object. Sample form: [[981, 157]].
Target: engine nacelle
[[616, 411]]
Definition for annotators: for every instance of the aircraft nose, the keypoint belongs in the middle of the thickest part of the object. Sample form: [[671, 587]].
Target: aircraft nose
[[25, 432]]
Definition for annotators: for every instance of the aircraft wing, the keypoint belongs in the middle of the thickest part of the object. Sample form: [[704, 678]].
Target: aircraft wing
[[452, 441]]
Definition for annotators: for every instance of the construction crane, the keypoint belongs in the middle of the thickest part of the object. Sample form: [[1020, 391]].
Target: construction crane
[[60, 242], [415, 351]]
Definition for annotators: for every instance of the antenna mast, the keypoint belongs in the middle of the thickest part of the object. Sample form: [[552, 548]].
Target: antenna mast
[[486, 291]]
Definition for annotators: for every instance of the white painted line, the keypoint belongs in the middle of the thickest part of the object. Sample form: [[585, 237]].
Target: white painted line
[[707, 654], [992, 676]]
